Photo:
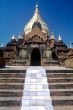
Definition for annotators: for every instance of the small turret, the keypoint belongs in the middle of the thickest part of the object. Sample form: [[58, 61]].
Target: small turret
[[13, 37], [59, 38], [13, 41]]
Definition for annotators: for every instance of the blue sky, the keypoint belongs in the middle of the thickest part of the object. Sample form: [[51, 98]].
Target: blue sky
[[14, 14]]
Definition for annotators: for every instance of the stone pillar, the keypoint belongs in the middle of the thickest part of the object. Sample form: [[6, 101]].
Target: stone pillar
[[48, 54]]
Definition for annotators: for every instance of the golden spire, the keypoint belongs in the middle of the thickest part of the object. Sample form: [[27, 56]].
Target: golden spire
[[36, 18]]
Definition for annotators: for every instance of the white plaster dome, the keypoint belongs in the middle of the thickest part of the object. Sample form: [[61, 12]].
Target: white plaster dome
[[36, 18]]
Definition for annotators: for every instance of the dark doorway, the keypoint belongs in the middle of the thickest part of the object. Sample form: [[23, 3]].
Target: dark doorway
[[54, 56], [35, 57]]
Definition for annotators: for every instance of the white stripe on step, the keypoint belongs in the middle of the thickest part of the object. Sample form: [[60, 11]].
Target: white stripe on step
[[36, 95]]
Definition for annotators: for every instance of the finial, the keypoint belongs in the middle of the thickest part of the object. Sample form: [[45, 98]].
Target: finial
[[59, 38], [37, 4], [13, 37], [37, 12]]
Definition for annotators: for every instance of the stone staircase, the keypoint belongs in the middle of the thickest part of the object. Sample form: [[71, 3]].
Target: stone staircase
[[36, 94], [61, 87], [11, 87], [60, 84]]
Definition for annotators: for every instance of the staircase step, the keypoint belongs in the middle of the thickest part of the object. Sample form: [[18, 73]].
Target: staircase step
[[11, 80], [38, 98], [10, 94], [12, 70], [18, 103], [60, 86], [12, 87], [11, 90], [62, 102], [19, 94], [56, 70], [60, 75], [61, 93], [62, 98], [10, 98], [10, 108], [67, 107], [54, 80], [12, 75], [10, 103]]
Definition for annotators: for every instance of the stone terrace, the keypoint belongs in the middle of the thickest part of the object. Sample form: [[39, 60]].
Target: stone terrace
[[60, 80], [61, 87]]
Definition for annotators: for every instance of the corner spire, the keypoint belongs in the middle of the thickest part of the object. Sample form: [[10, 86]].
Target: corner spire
[[59, 38], [13, 37]]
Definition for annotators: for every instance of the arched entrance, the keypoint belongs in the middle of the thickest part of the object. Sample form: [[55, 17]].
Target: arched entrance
[[35, 57]]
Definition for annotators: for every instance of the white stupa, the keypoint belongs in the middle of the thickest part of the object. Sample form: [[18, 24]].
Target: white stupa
[[36, 18]]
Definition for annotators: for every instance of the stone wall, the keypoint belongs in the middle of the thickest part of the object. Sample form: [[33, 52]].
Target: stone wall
[[69, 63], [69, 60]]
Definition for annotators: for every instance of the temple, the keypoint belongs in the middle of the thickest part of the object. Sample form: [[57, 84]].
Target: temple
[[36, 46], [36, 70]]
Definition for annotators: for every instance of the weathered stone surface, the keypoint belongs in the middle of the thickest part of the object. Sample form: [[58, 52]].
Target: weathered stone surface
[[69, 60], [11, 87], [9, 108], [19, 52], [68, 107], [60, 83], [10, 94], [62, 93]]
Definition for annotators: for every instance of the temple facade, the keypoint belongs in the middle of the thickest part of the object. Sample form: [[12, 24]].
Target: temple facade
[[36, 46]]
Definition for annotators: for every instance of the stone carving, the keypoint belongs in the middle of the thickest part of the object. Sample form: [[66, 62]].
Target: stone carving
[[35, 35], [23, 53], [48, 54], [69, 59]]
